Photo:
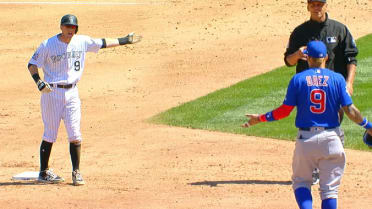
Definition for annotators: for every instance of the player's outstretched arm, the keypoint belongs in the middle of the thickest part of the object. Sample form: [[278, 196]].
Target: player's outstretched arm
[[354, 114], [279, 113], [131, 38]]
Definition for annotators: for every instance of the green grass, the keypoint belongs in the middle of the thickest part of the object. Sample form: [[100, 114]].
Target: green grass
[[224, 110]]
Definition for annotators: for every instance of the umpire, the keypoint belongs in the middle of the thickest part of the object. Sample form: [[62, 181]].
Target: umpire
[[341, 47]]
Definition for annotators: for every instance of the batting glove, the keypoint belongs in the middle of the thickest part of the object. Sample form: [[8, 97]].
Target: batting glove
[[131, 38], [43, 86]]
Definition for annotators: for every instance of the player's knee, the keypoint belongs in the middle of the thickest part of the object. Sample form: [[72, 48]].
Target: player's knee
[[329, 195], [49, 140], [329, 192], [296, 185], [75, 142]]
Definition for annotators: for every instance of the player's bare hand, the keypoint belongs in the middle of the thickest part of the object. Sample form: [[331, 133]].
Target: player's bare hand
[[43, 86], [301, 53], [253, 120]]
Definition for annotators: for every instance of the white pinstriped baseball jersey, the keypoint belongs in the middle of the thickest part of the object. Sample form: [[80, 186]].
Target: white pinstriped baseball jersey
[[64, 63]]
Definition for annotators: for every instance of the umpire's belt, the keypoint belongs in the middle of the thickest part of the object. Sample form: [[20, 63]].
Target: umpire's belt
[[62, 86], [316, 128]]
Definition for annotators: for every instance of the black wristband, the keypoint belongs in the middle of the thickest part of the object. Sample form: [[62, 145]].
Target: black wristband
[[123, 40], [36, 77], [104, 45]]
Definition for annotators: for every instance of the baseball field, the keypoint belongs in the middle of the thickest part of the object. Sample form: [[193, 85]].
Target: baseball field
[[189, 49]]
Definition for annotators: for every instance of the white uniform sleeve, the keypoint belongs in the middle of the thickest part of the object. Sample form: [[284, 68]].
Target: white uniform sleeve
[[38, 58], [93, 45]]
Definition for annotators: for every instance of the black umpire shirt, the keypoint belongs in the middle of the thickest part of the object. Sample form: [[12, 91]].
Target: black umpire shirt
[[340, 44]]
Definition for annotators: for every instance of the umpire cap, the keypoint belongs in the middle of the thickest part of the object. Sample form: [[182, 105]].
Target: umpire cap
[[367, 139], [70, 20]]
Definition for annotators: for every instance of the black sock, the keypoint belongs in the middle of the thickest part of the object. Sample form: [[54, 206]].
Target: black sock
[[45, 149], [75, 155]]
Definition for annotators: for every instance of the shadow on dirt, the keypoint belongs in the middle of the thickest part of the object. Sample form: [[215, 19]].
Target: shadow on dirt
[[27, 183], [17, 183], [215, 183]]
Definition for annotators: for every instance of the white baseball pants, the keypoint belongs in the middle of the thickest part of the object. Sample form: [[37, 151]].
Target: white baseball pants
[[61, 104]]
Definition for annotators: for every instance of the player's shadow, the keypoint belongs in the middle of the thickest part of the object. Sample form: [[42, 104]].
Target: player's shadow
[[215, 183], [29, 183], [16, 183]]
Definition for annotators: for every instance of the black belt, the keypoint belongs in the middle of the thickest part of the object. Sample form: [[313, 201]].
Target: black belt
[[316, 128], [67, 86]]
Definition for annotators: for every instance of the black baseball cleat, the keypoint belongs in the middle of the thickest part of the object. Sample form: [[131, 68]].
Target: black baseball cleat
[[47, 176], [77, 178], [315, 176]]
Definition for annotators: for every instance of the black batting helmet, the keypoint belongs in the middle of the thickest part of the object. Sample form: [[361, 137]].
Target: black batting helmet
[[367, 139], [70, 20]]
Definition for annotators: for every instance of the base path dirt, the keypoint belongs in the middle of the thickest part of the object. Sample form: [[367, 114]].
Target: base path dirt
[[190, 48]]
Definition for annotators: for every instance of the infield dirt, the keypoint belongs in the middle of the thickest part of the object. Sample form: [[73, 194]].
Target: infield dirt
[[190, 48]]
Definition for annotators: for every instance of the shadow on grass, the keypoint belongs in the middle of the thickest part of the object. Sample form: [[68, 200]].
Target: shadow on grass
[[215, 183]]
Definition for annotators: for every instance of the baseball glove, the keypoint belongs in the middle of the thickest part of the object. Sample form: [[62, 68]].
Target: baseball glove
[[367, 139]]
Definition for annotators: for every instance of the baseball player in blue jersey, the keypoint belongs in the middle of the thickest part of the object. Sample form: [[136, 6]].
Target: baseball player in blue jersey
[[62, 59], [318, 93]]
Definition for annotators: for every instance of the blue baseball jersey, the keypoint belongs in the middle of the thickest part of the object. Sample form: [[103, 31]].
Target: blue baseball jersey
[[318, 94]]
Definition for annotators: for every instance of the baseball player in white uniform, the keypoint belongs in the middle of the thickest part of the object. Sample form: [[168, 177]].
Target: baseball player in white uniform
[[62, 59]]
